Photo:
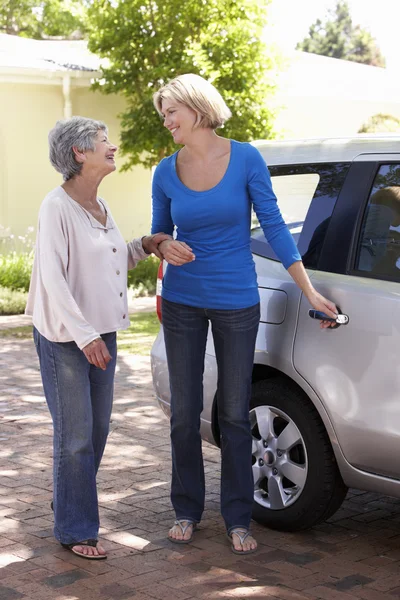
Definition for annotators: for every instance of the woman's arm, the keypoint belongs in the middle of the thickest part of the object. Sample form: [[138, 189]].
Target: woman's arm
[[174, 252], [278, 235], [141, 248], [317, 301]]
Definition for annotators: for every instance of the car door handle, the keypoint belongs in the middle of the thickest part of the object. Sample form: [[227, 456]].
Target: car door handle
[[341, 319]]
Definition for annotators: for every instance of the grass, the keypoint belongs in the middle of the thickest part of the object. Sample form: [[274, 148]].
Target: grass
[[20, 333], [138, 339]]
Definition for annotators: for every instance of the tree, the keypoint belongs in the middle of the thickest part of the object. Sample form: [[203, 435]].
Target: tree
[[148, 42], [43, 19], [381, 123], [339, 38]]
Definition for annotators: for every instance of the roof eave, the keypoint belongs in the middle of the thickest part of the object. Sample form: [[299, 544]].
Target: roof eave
[[46, 77]]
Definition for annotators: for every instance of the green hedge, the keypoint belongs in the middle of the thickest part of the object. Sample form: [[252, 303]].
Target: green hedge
[[12, 302], [143, 277], [15, 270]]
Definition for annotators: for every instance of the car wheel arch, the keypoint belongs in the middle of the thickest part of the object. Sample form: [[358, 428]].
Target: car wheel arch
[[264, 372]]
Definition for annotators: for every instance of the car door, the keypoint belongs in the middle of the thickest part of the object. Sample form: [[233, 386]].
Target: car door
[[355, 368]]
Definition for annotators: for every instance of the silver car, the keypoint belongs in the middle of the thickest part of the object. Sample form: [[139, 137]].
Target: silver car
[[325, 407]]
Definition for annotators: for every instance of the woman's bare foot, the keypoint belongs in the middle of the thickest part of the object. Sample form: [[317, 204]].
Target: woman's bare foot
[[181, 531], [242, 541], [90, 550]]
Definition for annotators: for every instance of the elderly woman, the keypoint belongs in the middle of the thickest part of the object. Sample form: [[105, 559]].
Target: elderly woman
[[78, 300]]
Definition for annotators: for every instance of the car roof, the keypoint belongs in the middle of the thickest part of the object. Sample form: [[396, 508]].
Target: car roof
[[293, 152]]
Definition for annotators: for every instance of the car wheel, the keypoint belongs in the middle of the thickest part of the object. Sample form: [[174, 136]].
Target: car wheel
[[297, 482]]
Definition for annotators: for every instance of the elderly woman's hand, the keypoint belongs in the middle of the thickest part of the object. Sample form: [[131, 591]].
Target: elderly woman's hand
[[176, 253], [97, 353], [150, 243]]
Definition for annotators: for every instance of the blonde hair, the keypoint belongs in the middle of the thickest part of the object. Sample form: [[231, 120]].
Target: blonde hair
[[199, 95]]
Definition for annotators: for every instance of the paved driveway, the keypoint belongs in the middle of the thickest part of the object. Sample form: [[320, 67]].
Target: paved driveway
[[355, 555]]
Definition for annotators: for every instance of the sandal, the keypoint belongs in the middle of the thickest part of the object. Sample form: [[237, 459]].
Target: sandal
[[242, 534], [184, 528], [92, 543]]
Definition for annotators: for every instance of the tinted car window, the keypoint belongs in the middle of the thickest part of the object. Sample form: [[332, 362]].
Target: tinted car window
[[294, 193], [306, 196], [378, 251]]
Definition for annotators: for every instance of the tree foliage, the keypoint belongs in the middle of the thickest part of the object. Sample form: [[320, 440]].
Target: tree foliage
[[148, 42], [43, 19], [339, 38], [381, 123]]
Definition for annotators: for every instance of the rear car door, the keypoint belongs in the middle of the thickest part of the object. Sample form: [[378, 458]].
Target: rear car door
[[355, 368]]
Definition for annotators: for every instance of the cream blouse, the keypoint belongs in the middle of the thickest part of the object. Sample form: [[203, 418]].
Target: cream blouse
[[78, 288]]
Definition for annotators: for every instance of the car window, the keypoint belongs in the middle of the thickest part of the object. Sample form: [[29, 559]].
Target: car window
[[378, 248], [306, 197], [294, 194]]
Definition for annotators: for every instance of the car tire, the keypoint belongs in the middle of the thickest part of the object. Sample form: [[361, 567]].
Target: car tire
[[280, 403]]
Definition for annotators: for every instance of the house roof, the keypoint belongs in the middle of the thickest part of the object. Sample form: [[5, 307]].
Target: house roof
[[19, 55]]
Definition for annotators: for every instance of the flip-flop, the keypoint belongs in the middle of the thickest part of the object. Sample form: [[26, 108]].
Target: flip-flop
[[242, 534], [92, 543], [184, 528]]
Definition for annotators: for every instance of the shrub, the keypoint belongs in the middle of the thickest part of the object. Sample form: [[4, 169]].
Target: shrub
[[143, 278], [15, 270], [16, 258], [12, 302]]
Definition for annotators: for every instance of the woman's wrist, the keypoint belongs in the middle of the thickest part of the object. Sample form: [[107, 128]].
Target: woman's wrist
[[310, 292], [144, 244], [163, 245]]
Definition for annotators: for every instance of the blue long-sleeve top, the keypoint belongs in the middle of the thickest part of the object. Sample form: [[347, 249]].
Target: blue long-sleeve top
[[216, 224]]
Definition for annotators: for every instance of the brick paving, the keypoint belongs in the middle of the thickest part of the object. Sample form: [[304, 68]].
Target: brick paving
[[355, 556]]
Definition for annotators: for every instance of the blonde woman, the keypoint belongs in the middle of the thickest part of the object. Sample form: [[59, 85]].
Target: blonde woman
[[207, 189]]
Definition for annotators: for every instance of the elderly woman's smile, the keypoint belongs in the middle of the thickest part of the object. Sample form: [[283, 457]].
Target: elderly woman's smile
[[104, 152]]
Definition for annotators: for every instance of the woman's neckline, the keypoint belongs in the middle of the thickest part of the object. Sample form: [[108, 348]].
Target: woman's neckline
[[209, 190], [88, 213]]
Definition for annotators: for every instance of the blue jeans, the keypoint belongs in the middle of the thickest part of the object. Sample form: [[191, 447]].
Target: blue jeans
[[234, 333], [79, 396]]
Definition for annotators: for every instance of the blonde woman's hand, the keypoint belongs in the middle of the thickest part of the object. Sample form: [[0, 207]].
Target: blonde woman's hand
[[97, 353], [324, 305], [176, 253]]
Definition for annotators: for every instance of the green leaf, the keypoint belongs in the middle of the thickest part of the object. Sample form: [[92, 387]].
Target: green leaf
[[148, 42]]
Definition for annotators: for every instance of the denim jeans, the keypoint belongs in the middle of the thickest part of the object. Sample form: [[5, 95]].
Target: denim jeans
[[79, 396], [234, 333]]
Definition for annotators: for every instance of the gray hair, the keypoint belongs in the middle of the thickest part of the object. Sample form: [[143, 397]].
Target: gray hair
[[76, 131]]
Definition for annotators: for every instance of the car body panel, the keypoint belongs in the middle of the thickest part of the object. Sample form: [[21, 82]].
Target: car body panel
[[355, 368], [294, 152], [273, 304]]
